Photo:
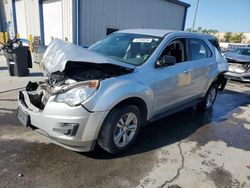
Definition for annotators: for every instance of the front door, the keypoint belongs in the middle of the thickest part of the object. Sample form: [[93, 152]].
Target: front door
[[173, 83]]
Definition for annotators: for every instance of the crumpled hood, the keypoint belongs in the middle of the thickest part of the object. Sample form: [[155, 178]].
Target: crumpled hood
[[60, 52], [237, 57]]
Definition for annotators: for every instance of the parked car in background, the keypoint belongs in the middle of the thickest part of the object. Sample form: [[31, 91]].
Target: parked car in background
[[106, 93], [239, 64]]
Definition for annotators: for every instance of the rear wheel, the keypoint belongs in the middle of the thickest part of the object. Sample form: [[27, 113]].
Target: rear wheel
[[120, 129], [208, 101]]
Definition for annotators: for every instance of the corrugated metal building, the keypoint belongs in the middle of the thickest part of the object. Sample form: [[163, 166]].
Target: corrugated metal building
[[87, 21]]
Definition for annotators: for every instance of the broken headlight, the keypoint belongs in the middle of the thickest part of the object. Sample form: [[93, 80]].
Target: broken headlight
[[76, 96]]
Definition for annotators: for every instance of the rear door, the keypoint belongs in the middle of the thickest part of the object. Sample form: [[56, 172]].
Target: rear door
[[202, 62]]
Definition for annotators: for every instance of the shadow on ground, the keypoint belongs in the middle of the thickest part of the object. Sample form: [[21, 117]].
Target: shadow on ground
[[3, 68], [162, 133], [35, 74], [8, 117], [187, 124], [229, 101], [194, 126]]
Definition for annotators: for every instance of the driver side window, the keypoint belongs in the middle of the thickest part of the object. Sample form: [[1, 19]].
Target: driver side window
[[177, 49]]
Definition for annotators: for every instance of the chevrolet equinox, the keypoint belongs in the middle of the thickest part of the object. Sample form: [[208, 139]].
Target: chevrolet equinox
[[106, 93]]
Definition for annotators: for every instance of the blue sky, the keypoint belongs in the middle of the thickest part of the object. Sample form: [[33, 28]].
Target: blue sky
[[223, 15]]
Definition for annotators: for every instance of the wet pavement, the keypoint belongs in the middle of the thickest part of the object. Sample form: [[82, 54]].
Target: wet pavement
[[186, 149]]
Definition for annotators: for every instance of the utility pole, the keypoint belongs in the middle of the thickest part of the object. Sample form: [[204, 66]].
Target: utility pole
[[195, 15]]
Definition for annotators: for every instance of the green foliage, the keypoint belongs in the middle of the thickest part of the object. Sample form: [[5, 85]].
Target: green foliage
[[204, 31], [234, 38], [238, 37], [227, 37]]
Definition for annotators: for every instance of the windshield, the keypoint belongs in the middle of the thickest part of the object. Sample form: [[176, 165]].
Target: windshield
[[133, 49], [242, 51]]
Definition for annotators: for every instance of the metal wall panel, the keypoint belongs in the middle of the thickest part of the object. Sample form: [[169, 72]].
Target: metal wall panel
[[21, 19], [61, 17], [1, 16], [29, 13], [53, 20], [8, 18], [67, 6], [98, 15], [32, 17]]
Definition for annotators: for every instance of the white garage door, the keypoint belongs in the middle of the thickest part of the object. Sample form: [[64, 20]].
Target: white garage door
[[20, 19], [52, 17]]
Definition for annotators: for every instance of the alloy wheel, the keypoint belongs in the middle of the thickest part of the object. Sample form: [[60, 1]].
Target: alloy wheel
[[125, 129], [211, 97]]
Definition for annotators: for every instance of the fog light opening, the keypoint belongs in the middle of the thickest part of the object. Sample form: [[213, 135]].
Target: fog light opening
[[69, 129]]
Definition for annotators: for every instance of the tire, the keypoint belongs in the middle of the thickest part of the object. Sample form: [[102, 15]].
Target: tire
[[116, 134], [209, 99]]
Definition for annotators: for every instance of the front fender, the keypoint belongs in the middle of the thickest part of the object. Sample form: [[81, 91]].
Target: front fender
[[113, 91]]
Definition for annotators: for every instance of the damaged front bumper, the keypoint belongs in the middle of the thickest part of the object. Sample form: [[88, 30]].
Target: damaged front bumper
[[243, 77], [74, 128], [238, 71]]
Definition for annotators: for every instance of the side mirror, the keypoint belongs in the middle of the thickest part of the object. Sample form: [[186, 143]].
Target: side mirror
[[166, 61]]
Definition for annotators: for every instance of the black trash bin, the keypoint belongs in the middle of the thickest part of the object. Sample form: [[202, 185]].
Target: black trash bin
[[18, 59]]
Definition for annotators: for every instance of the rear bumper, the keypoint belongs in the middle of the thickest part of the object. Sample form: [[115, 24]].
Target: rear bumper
[[56, 120], [243, 77]]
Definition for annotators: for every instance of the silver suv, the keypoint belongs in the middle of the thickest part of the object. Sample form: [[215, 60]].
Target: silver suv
[[106, 93]]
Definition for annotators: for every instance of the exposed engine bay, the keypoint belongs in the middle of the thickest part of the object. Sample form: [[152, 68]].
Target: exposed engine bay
[[74, 75], [75, 72], [68, 66]]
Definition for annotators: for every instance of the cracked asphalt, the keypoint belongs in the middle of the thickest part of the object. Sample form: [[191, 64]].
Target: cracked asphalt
[[186, 149]]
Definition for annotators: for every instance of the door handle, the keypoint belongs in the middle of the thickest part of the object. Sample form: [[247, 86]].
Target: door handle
[[187, 71]]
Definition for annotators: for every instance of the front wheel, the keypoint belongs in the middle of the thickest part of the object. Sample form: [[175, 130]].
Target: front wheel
[[120, 129], [208, 100]]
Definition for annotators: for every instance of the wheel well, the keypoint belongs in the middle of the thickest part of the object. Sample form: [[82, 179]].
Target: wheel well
[[137, 102], [221, 81], [220, 76], [131, 101]]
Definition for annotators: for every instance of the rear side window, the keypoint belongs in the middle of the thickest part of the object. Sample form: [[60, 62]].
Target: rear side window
[[215, 43], [198, 49]]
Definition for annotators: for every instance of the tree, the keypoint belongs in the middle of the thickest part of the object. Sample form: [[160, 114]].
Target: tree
[[227, 37], [238, 37], [204, 31], [235, 38]]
